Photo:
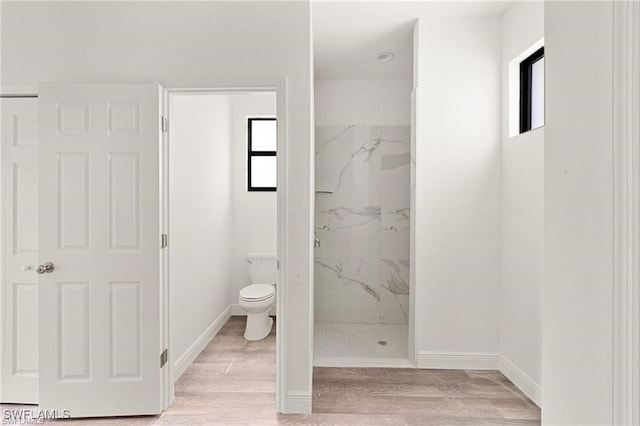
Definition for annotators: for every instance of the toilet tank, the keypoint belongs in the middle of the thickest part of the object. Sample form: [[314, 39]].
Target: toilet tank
[[263, 268]]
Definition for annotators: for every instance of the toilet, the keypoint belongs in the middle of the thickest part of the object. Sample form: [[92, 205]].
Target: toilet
[[258, 297]]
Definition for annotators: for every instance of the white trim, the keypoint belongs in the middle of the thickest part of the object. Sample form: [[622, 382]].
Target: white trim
[[412, 344], [458, 360], [298, 402], [626, 292], [522, 380], [634, 397], [3, 216], [362, 362], [282, 232], [19, 89], [226, 90], [185, 360], [167, 382], [237, 311], [310, 302]]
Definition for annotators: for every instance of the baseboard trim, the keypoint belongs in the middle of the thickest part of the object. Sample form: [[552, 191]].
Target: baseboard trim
[[519, 378], [237, 311], [185, 360], [298, 402], [458, 360], [362, 362]]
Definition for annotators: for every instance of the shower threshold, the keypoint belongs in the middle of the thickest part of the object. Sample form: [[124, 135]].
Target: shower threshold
[[361, 345]]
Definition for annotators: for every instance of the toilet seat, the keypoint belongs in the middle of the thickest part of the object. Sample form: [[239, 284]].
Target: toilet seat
[[257, 292]]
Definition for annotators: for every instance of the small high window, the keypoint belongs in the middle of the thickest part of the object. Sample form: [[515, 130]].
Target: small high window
[[532, 91], [262, 160]]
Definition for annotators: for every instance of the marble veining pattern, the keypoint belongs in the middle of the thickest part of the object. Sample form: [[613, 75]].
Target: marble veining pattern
[[345, 217], [396, 284], [395, 161], [400, 219], [363, 222], [346, 280], [327, 142], [363, 153]]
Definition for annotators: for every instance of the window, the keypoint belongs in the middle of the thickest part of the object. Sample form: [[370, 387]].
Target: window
[[262, 160], [532, 91]]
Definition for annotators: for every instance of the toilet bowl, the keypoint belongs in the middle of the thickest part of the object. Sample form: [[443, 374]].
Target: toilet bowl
[[257, 298]]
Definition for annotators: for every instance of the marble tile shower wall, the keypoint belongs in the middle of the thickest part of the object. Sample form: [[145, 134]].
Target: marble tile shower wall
[[362, 220]]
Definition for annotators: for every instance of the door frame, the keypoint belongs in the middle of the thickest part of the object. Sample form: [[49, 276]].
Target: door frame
[[626, 256], [280, 89]]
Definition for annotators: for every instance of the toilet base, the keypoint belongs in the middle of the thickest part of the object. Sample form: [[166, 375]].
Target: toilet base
[[258, 326]]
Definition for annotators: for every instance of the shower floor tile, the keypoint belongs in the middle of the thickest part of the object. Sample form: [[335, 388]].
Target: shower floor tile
[[354, 345]]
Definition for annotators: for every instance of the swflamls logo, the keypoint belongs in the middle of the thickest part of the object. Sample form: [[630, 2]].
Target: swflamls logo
[[24, 416]]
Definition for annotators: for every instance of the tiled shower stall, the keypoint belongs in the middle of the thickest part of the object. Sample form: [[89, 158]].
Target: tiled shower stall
[[362, 222]]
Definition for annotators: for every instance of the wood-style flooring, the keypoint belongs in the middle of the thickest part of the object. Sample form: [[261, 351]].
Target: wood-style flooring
[[232, 382]]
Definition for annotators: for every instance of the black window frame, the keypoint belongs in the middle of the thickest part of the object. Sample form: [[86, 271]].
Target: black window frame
[[526, 78], [251, 153]]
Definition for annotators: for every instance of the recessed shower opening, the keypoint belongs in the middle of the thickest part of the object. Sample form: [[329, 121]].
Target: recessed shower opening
[[363, 168]]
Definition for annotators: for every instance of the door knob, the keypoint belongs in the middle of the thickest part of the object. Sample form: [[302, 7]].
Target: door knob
[[46, 268]]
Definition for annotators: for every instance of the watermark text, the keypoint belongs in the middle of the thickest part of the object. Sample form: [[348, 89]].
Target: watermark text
[[26, 416]]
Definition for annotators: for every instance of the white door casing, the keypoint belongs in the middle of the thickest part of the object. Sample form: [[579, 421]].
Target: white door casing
[[19, 292], [626, 100], [99, 214]]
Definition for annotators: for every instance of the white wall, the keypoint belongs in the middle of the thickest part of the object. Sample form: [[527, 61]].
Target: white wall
[[522, 217], [254, 213], [200, 215], [365, 102], [190, 45], [578, 214], [457, 207]]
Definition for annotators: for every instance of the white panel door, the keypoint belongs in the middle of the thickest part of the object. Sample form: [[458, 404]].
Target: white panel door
[[99, 225], [19, 292]]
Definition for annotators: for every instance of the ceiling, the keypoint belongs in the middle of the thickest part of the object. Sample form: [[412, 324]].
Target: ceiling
[[348, 35]]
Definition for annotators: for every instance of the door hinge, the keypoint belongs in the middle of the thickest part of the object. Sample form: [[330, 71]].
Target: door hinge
[[165, 124], [164, 241], [277, 263], [164, 357]]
